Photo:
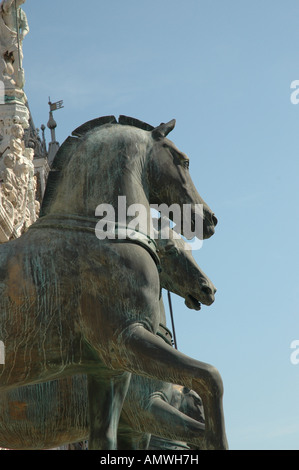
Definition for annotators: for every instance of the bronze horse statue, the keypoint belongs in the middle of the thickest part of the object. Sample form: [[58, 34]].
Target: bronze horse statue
[[55, 413], [73, 304]]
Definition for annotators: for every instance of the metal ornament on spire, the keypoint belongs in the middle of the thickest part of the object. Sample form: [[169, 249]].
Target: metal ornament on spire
[[53, 145], [55, 106]]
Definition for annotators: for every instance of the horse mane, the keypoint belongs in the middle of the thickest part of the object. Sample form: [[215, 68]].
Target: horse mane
[[69, 146]]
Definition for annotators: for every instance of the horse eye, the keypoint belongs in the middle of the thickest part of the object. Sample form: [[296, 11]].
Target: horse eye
[[186, 164], [172, 250]]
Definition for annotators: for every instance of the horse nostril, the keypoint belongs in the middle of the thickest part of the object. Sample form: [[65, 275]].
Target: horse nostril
[[207, 290], [215, 220]]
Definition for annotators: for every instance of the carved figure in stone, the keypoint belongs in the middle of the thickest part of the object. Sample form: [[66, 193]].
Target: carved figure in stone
[[16, 141], [18, 180], [8, 197], [59, 315], [15, 185], [10, 182], [6, 135], [13, 135], [32, 207], [54, 414], [13, 28]]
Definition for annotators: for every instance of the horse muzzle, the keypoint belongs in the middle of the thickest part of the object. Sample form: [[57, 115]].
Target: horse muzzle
[[205, 295]]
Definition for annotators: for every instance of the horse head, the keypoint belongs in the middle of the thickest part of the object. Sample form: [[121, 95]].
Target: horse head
[[181, 274], [188, 402], [171, 184], [109, 158]]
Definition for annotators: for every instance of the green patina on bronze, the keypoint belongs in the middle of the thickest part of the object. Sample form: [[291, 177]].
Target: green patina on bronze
[[70, 304], [57, 412]]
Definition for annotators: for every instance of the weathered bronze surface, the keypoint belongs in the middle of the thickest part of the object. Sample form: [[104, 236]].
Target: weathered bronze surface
[[72, 304], [53, 414]]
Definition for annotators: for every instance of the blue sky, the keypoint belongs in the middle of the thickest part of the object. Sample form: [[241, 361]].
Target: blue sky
[[223, 69]]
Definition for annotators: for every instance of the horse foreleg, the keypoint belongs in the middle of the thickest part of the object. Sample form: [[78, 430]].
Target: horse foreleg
[[105, 397], [144, 353]]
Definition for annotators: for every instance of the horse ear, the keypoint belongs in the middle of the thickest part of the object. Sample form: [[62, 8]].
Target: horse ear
[[163, 130]]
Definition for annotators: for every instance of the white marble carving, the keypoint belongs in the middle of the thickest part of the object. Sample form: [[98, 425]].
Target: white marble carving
[[13, 28], [18, 206]]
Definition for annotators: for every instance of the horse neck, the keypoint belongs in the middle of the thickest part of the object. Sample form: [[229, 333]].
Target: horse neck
[[102, 174], [128, 196]]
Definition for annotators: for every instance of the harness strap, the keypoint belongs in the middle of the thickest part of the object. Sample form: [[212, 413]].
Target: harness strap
[[117, 234], [165, 334]]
